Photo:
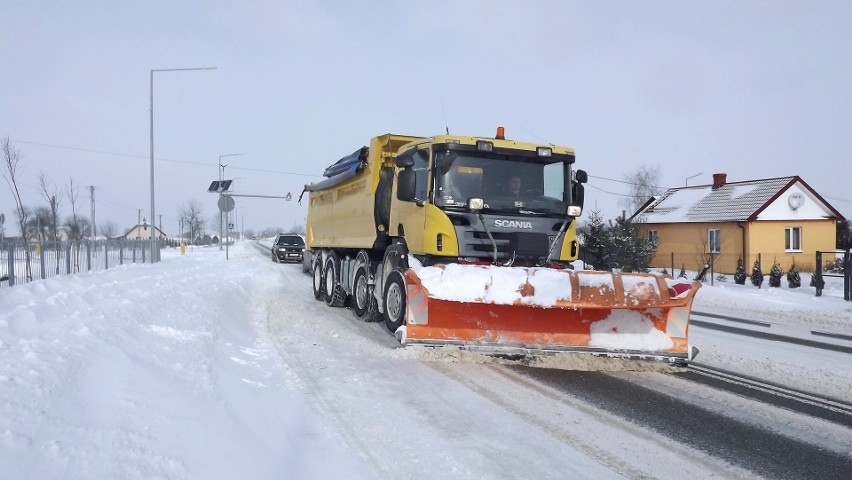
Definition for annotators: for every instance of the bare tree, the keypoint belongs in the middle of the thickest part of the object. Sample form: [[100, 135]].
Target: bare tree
[[109, 229], [192, 219], [11, 164], [644, 184], [53, 197], [73, 227], [73, 230], [38, 224]]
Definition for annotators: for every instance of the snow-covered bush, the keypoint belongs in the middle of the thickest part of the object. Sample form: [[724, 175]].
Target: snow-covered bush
[[834, 266], [682, 273], [740, 275], [775, 276], [756, 274], [793, 278]]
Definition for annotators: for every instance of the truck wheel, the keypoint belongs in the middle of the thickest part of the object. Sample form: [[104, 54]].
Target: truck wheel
[[394, 299], [335, 296], [364, 304], [319, 292]]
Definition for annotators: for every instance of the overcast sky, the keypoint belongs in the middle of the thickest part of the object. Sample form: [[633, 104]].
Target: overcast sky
[[751, 89]]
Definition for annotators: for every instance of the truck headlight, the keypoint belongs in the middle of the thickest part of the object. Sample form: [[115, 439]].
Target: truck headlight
[[484, 146], [574, 211]]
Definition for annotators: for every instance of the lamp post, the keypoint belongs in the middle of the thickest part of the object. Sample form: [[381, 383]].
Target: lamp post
[[686, 182], [153, 216]]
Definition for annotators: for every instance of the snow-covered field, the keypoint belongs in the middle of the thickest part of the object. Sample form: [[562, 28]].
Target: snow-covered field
[[199, 367]]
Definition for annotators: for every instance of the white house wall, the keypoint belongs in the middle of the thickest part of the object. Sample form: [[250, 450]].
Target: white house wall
[[780, 209]]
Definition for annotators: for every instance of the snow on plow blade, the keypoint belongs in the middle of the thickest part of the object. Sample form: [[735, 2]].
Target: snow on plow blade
[[537, 311]]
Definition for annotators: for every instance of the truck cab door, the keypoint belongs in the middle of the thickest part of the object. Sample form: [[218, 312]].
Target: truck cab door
[[410, 195]]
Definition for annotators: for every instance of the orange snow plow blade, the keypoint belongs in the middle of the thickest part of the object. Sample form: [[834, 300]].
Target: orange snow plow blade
[[538, 311]]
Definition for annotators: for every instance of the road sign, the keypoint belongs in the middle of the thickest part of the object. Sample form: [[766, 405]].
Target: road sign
[[226, 203]]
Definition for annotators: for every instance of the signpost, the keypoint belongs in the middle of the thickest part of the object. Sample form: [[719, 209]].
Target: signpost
[[226, 204]]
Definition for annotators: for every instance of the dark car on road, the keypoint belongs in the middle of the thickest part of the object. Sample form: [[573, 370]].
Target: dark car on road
[[288, 248]]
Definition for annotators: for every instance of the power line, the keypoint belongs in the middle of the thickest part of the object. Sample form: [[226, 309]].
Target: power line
[[611, 193], [838, 199], [160, 159]]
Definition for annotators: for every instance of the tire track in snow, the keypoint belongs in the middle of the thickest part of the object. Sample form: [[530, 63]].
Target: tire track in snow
[[610, 439]]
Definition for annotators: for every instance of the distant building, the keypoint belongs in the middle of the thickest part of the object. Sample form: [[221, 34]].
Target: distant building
[[782, 219], [143, 231]]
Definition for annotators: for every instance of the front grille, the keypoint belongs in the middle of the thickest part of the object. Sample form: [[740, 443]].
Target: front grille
[[508, 243]]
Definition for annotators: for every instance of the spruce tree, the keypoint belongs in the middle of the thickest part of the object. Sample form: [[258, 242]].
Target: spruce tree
[[740, 275], [595, 240], [775, 275], [627, 249], [793, 278], [756, 274]]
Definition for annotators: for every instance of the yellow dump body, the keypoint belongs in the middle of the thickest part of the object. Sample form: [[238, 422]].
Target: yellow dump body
[[341, 214]]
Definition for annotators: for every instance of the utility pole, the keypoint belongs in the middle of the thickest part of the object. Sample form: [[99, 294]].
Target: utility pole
[[92, 197], [161, 221]]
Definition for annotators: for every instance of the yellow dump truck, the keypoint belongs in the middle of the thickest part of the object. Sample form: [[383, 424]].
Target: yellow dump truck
[[468, 241]]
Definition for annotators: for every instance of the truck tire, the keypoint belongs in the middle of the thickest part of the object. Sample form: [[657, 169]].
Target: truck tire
[[319, 290], [394, 300], [364, 304], [335, 296]]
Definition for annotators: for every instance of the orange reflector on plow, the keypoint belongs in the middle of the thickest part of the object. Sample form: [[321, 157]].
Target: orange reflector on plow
[[547, 310]]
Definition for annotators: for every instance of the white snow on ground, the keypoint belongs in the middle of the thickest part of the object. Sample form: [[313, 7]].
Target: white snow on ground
[[198, 367], [152, 372]]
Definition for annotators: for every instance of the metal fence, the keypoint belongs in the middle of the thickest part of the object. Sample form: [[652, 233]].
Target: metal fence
[[726, 263], [22, 263], [830, 264]]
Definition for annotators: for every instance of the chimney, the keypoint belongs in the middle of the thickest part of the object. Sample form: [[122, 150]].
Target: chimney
[[719, 179]]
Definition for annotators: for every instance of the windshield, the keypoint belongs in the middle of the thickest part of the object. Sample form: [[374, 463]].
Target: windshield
[[290, 240], [505, 183]]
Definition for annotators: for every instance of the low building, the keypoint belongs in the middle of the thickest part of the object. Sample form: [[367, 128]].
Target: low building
[[780, 220], [143, 231]]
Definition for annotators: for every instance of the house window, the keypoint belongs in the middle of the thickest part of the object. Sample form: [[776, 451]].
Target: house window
[[793, 239], [714, 241], [652, 237]]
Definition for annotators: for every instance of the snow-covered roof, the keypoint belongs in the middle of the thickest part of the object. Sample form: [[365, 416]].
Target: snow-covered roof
[[730, 202]]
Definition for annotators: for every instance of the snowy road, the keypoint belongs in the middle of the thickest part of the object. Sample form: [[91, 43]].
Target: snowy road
[[411, 414]]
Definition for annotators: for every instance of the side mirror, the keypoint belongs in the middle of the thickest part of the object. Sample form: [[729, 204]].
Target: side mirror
[[581, 176], [406, 184], [579, 193]]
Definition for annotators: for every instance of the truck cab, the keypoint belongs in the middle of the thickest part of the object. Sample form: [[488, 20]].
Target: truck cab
[[478, 200]]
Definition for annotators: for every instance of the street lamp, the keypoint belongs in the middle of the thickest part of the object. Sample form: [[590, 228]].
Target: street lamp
[[153, 227], [222, 177], [686, 183]]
